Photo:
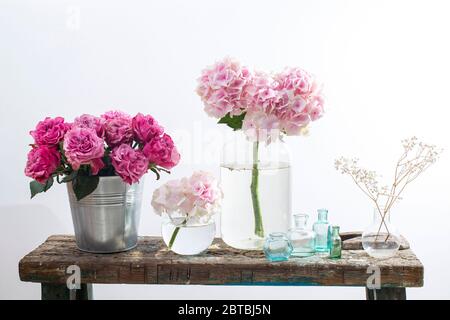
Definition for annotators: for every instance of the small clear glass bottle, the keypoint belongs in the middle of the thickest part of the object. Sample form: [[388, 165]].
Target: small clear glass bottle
[[335, 243], [277, 247], [322, 229], [302, 240]]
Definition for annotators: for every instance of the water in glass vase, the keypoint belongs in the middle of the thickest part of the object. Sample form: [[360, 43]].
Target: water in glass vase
[[188, 239], [238, 217], [381, 239]]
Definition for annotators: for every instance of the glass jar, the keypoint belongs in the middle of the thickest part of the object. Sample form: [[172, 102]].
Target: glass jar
[[256, 182], [335, 243], [302, 240], [277, 247], [187, 236], [381, 239], [322, 229]]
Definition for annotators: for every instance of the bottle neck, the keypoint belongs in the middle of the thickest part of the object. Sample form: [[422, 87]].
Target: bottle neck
[[300, 221], [379, 213], [277, 236], [335, 231], [323, 215]]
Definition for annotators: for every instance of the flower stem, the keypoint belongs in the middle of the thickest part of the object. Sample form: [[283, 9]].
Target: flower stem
[[259, 229], [174, 236]]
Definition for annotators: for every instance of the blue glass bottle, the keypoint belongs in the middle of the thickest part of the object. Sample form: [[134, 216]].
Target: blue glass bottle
[[277, 247], [322, 229]]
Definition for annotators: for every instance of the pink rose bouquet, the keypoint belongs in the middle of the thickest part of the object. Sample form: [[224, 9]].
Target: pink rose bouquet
[[197, 198], [112, 144]]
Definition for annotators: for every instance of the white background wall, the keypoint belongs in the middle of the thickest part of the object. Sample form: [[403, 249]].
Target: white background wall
[[385, 65]]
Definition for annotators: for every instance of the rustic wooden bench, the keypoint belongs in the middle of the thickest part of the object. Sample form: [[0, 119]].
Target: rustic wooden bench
[[151, 263]]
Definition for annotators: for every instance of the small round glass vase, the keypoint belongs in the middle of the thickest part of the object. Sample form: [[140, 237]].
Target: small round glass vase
[[188, 236], [381, 239], [277, 247]]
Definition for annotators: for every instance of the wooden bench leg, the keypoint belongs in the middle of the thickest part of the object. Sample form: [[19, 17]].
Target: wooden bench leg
[[51, 291], [386, 294]]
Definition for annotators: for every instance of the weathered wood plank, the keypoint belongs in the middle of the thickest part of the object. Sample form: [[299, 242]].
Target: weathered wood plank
[[152, 263]]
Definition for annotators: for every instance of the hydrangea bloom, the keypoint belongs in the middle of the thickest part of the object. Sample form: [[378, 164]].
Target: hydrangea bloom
[[50, 131], [170, 197], [83, 146], [222, 88], [305, 100], [128, 163], [197, 196], [42, 163], [283, 103]]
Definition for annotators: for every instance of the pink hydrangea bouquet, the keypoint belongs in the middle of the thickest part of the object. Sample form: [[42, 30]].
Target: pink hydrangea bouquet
[[113, 144], [195, 199], [264, 105]]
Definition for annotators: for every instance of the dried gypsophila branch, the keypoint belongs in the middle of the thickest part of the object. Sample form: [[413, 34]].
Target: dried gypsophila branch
[[415, 159]]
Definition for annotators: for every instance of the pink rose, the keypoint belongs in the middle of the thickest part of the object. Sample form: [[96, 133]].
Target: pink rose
[[129, 164], [42, 163], [162, 152], [91, 122], [145, 128], [50, 132], [113, 114], [83, 146], [118, 128]]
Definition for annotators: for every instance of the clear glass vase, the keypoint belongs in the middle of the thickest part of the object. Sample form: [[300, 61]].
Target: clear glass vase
[[381, 239], [187, 236], [255, 179]]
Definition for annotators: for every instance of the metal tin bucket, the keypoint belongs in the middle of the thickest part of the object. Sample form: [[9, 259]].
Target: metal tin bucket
[[107, 220]]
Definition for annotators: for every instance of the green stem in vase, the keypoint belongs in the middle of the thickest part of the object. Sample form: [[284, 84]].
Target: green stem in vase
[[175, 233], [259, 229], [174, 236]]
